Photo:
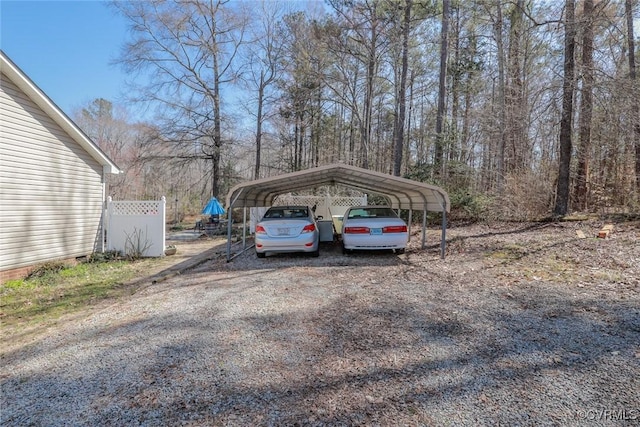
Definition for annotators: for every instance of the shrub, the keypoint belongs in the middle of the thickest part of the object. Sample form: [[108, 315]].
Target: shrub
[[526, 196], [136, 244], [468, 205], [47, 268], [97, 257]]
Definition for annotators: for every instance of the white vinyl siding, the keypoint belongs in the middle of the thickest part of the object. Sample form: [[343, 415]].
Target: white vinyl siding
[[51, 190]]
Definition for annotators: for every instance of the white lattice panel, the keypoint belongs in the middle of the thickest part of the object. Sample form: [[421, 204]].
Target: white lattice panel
[[145, 207], [288, 199], [348, 201]]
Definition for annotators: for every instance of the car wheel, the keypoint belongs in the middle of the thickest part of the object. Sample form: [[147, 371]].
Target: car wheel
[[400, 251], [315, 253], [261, 254], [345, 251]]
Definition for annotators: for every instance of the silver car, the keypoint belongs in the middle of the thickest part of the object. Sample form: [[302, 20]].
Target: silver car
[[287, 229]]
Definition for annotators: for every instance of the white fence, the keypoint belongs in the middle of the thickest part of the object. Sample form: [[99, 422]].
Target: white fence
[[136, 227]]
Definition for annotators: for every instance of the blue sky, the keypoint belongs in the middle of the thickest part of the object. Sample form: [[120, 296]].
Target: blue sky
[[65, 47]]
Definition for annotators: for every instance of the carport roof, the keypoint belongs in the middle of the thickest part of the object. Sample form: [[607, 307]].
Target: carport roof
[[403, 193]]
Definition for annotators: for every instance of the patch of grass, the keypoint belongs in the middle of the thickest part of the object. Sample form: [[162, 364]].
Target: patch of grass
[[531, 263], [550, 271], [509, 252], [53, 290]]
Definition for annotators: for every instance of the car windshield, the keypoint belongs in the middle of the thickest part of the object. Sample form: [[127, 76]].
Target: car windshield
[[371, 213], [283, 212]]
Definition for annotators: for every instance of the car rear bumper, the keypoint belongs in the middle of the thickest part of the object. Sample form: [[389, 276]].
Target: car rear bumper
[[303, 243], [368, 242]]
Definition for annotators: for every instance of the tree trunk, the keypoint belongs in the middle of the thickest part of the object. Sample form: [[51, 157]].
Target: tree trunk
[[402, 95], [217, 127], [502, 113], [442, 90], [256, 174], [317, 128], [407, 146], [635, 93], [296, 142], [370, 75], [465, 154], [562, 187], [586, 109], [454, 151], [515, 102]]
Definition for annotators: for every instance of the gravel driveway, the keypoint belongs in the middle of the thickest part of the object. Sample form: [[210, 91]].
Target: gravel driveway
[[520, 325]]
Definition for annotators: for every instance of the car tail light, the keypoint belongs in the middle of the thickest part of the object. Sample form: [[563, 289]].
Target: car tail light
[[309, 228], [260, 230], [395, 229], [356, 230]]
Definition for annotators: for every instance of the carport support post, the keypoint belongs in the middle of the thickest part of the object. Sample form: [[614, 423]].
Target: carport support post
[[424, 225], [230, 208], [410, 220], [229, 233], [244, 228]]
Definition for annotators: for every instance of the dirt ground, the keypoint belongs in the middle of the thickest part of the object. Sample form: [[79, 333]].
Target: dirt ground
[[521, 324], [191, 248]]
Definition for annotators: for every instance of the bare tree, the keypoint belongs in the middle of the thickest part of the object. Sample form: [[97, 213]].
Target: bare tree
[[442, 88], [300, 86], [562, 187], [264, 64], [635, 92], [515, 100], [586, 107], [188, 48], [108, 127], [502, 108], [362, 27], [402, 90]]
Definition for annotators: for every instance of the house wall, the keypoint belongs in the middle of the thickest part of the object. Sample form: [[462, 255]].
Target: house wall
[[51, 189]]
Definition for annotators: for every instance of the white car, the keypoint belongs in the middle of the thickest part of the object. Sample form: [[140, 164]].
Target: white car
[[287, 229], [373, 228]]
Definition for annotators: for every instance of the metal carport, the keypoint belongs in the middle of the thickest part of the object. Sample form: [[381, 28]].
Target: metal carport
[[402, 193]]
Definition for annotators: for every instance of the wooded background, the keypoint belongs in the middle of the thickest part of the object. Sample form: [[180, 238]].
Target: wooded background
[[520, 109]]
